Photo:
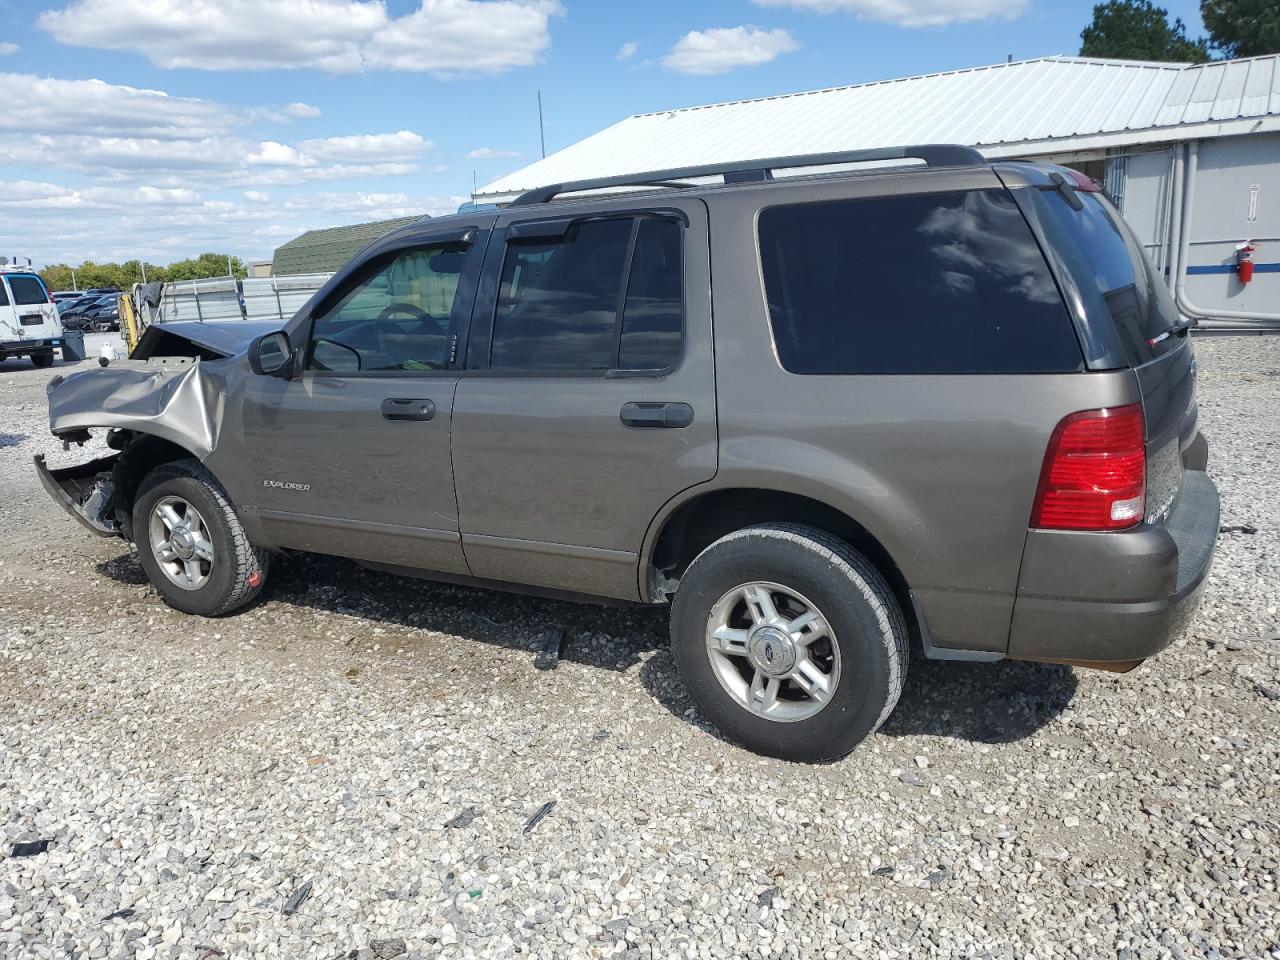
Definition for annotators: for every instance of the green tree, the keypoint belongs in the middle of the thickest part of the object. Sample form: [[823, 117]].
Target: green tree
[[57, 276], [1139, 30], [205, 265], [1242, 28]]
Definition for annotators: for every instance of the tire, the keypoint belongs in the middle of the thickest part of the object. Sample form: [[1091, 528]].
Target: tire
[[861, 654], [237, 569], [42, 360]]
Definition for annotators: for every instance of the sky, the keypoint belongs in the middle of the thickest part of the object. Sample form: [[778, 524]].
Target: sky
[[160, 129]]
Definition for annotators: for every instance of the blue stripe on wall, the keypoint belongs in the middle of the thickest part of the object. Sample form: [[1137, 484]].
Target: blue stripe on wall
[[1231, 268]]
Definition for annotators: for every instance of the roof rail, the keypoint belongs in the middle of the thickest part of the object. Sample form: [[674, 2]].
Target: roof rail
[[745, 171]]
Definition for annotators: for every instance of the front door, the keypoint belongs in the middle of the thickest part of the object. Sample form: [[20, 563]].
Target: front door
[[352, 454], [589, 398]]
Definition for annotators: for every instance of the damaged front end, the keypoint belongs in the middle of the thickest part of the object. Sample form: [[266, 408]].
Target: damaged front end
[[87, 492], [164, 407]]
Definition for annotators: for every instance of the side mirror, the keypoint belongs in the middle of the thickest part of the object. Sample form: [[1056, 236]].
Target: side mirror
[[271, 355]]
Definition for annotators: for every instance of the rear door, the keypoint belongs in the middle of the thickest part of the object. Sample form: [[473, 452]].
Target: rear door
[[32, 314], [589, 398], [351, 456]]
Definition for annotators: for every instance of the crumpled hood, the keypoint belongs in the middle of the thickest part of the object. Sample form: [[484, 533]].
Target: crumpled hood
[[181, 402], [227, 338]]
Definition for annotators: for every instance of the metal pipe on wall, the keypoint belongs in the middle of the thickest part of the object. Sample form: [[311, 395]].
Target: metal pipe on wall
[[1175, 219]]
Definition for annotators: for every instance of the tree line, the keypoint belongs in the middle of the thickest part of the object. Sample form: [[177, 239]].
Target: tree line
[[57, 276], [1139, 30]]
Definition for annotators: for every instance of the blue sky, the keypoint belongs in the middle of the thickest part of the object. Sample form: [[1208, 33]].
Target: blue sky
[[163, 128]]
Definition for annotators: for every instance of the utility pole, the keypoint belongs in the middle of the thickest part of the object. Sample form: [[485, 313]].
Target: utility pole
[[144, 270], [229, 273], [73, 280], [542, 135]]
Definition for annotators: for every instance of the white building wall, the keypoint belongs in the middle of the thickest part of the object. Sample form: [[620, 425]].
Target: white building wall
[[1229, 170]]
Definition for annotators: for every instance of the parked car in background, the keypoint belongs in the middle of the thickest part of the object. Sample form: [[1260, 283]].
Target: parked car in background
[[71, 310], [947, 406], [102, 315], [63, 296], [29, 324]]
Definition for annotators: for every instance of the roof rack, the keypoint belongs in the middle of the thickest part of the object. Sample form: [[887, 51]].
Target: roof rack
[[748, 171]]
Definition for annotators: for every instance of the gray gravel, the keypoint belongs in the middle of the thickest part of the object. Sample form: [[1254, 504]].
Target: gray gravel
[[347, 769]]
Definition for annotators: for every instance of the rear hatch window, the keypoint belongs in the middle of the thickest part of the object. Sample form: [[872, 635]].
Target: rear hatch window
[[27, 290], [1114, 278]]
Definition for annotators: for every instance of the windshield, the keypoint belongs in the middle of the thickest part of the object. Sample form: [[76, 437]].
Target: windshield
[[27, 290]]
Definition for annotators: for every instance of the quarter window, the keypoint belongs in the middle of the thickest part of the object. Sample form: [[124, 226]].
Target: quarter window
[[948, 282], [606, 296], [400, 318]]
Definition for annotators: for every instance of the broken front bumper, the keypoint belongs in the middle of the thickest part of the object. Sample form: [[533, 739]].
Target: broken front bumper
[[85, 491]]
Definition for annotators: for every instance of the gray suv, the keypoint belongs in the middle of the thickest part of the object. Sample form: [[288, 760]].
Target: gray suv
[[945, 404]]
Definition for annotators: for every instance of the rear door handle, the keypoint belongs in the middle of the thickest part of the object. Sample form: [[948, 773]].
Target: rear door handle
[[669, 415], [394, 409]]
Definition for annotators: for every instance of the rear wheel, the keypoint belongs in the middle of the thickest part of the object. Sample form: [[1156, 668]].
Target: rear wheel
[[43, 359], [789, 641], [191, 543]]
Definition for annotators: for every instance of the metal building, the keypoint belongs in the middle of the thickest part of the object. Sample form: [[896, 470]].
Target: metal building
[[1191, 152]]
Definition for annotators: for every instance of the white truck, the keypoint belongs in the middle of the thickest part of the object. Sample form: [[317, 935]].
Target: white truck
[[29, 324]]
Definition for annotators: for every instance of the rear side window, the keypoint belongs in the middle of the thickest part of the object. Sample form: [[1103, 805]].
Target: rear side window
[[4, 295], [927, 283], [606, 296], [1115, 277], [27, 291]]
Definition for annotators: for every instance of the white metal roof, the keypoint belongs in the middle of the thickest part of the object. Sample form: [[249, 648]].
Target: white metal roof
[[1024, 108]]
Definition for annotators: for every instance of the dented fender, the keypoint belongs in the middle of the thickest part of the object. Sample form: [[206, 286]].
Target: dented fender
[[181, 401]]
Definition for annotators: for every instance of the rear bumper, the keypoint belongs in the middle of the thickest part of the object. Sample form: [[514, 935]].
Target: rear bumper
[[1113, 599]]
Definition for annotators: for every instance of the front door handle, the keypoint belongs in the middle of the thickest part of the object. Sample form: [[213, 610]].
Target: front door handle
[[408, 409], [669, 415]]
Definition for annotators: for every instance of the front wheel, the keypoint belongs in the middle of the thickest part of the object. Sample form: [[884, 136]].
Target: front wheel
[[191, 543], [789, 641], [43, 359]]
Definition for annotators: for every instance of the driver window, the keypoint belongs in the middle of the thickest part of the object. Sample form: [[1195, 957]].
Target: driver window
[[396, 319]]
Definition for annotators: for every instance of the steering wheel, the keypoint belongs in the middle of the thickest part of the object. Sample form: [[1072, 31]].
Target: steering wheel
[[413, 310]]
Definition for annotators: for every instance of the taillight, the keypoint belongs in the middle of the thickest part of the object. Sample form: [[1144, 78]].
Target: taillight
[[1095, 472]]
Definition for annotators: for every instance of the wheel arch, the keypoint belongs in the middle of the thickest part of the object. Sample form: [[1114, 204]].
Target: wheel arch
[[693, 522], [140, 454]]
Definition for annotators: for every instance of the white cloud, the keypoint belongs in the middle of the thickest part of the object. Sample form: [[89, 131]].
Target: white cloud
[[488, 153], [53, 223], [302, 111], [460, 36], [112, 132], [911, 13], [8, 48], [257, 196], [272, 154], [380, 147], [336, 36], [108, 109], [628, 50], [723, 49]]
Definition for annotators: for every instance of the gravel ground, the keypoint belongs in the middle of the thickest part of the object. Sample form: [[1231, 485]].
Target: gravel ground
[[352, 768]]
